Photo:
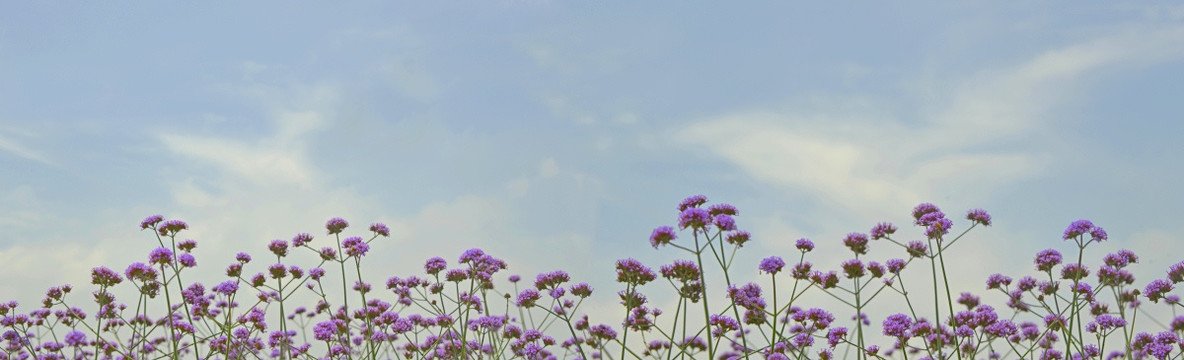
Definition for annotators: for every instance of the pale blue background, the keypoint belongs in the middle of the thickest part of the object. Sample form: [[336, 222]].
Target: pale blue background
[[557, 135]]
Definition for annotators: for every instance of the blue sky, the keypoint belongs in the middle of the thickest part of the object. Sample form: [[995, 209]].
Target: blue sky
[[535, 128]]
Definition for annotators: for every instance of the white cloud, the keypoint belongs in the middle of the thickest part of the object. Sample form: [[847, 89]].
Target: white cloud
[[870, 164], [15, 148]]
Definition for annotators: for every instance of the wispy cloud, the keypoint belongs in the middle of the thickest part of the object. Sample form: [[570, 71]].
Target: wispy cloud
[[869, 164], [15, 148]]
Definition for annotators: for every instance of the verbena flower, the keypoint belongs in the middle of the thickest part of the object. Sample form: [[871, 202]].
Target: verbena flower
[[151, 221], [1074, 272], [772, 264], [921, 210], [662, 236], [995, 281], [1047, 259], [171, 227], [278, 247], [805, 245], [632, 272], [380, 229], [694, 218], [1121, 259], [187, 260], [724, 209], [857, 242], [724, 222], [1157, 289], [917, 249], [355, 246], [551, 280], [895, 265], [737, 238], [104, 277], [853, 268], [161, 256], [435, 265], [336, 225], [692, 202], [301, 239], [882, 230], [979, 216], [1176, 272]]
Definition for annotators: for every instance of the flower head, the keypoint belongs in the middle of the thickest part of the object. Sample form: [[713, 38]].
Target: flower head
[[725, 209], [805, 245], [853, 268], [895, 265], [1046, 259], [772, 264], [694, 218], [278, 247], [662, 235], [921, 210], [979, 216], [737, 238], [1157, 289], [171, 227], [692, 202], [336, 225], [435, 265], [105, 277], [882, 230], [917, 249], [380, 229], [632, 272], [161, 256], [857, 242]]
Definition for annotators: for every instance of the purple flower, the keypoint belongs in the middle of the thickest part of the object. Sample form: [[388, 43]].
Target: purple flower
[[1078, 228], [243, 257], [835, 336], [151, 221], [682, 270], [772, 264], [724, 222], [979, 216], [140, 271], [738, 238], [1046, 259], [171, 227], [724, 209], [380, 229], [435, 265], [857, 242], [917, 249], [187, 260], [661, 236], [692, 202], [1121, 259], [527, 298], [805, 245], [694, 218], [76, 338], [514, 278], [853, 268], [882, 230], [997, 280], [278, 247], [336, 225], [1176, 272], [582, 290], [921, 210], [632, 272], [1107, 321], [1156, 289], [1074, 272], [895, 265], [936, 224], [278, 271], [551, 280], [316, 273], [161, 256], [104, 277], [355, 246], [187, 245], [227, 288], [747, 296], [875, 268], [301, 239]]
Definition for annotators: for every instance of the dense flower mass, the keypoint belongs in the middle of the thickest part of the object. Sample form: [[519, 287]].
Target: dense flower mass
[[470, 311]]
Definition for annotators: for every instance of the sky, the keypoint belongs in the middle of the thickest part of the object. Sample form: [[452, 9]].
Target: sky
[[557, 135]]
